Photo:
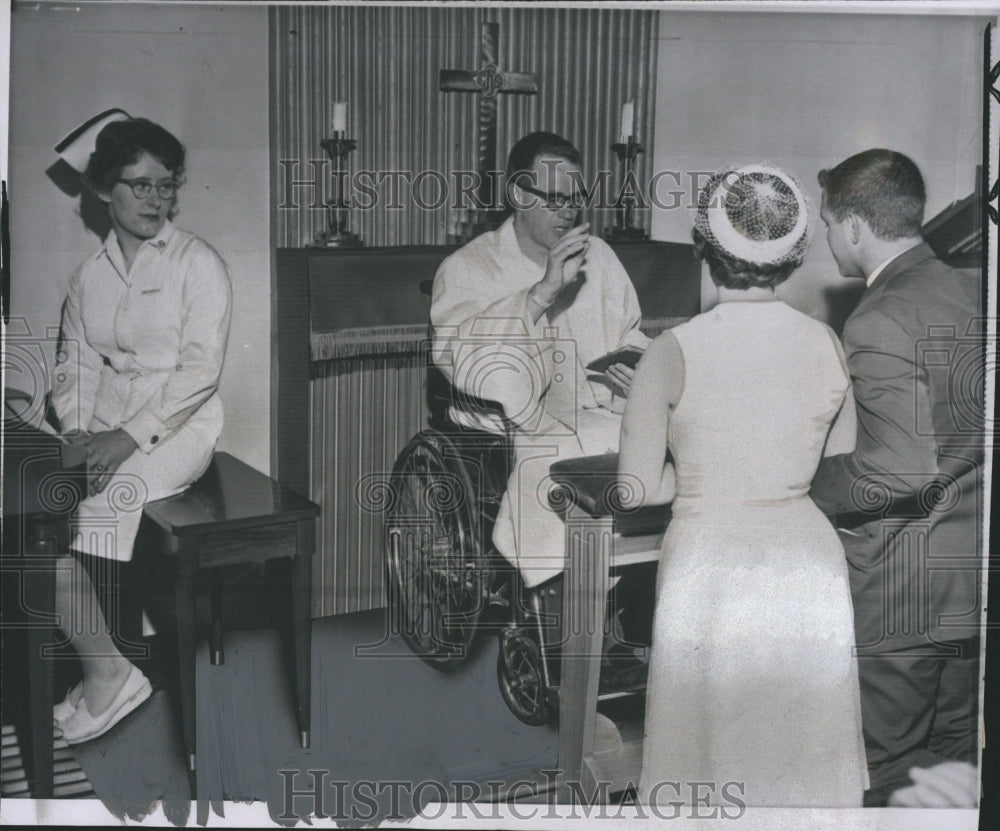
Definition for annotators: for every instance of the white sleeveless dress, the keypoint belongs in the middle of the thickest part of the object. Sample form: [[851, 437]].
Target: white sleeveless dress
[[752, 675]]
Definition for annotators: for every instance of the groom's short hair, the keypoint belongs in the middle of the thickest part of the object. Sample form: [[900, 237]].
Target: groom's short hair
[[882, 187]]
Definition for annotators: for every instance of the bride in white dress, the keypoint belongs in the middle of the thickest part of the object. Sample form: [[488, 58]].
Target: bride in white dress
[[753, 682]]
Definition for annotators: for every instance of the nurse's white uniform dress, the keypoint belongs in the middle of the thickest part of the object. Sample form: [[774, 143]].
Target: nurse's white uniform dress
[[142, 350]]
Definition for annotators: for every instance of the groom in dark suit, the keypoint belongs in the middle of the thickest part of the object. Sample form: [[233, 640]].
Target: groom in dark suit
[[907, 500]]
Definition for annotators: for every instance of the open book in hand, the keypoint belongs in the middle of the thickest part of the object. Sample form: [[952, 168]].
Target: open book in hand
[[628, 355]]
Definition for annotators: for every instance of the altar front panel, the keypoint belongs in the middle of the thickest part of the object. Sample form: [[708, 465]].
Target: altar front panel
[[349, 386]]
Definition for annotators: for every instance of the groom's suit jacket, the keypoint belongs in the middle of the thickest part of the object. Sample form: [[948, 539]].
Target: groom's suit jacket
[[908, 498]]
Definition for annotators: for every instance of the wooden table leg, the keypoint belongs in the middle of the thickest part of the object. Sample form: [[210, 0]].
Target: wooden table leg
[[40, 677], [589, 544], [218, 655], [42, 685], [184, 596], [302, 624], [39, 593]]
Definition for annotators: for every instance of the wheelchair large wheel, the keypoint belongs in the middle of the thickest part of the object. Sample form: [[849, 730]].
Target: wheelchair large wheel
[[438, 575], [522, 679]]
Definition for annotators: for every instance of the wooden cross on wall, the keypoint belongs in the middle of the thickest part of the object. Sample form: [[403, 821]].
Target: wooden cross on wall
[[489, 82]]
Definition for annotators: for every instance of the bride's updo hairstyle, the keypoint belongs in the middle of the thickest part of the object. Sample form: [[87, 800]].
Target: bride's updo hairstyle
[[751, 227]]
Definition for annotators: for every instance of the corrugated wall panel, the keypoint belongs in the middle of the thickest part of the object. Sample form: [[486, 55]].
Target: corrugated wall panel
[[384, 62], [364, 411]]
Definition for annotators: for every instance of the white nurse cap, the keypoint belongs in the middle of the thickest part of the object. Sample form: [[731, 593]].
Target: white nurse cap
[[76, 147]]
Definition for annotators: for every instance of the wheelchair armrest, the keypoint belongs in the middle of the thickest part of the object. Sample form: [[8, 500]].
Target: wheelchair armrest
[[477, 406]]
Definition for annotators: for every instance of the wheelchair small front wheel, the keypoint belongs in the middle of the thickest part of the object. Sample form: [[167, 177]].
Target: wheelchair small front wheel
[[522, 679]]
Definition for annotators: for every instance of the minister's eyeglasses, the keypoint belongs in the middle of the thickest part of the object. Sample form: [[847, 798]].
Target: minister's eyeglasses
[[555, 200], [141, 188]]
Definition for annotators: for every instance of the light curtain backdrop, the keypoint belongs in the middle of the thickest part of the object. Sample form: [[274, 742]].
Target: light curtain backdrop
[[384, 62]]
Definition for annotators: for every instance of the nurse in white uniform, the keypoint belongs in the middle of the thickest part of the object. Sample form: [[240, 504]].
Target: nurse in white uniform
[[144, 332]]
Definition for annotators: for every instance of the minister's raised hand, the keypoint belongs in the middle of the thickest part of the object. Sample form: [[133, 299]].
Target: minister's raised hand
[[562, 264]]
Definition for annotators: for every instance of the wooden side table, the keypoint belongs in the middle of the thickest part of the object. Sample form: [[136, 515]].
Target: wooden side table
[[39, 496], [233, 515]]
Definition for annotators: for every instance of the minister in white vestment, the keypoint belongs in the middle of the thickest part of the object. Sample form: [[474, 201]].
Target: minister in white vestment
[[517, 314]]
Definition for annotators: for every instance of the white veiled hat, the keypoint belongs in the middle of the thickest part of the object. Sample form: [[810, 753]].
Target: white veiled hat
[[755, 213], [76, 147]]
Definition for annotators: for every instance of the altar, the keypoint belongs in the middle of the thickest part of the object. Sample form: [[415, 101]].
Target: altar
[[352, 383]]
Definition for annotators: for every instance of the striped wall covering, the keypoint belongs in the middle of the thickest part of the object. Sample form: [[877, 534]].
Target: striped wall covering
[[384, 62], [364, 410]]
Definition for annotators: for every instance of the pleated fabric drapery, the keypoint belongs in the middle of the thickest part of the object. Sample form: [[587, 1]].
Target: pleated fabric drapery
[[384, 62]]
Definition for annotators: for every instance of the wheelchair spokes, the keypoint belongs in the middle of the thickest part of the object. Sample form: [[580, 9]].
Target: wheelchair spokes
[[522, 678], [447, 583], [436, 569]]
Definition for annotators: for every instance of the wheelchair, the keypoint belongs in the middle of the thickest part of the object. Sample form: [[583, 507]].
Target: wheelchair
[[448, 585]]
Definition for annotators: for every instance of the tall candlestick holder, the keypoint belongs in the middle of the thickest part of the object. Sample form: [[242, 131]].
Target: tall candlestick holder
[[625, 205], [338, 233]]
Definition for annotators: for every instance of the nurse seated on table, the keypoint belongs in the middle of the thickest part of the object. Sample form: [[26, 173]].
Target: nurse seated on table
[[144, 331]]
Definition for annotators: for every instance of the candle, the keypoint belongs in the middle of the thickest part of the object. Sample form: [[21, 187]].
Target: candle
[[628, 124], [339, 122]]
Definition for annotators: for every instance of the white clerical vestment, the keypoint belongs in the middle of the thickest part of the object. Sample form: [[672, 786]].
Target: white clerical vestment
[[487, 345]]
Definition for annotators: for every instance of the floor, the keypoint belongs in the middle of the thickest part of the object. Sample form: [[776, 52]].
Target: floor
[[378, 714]]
